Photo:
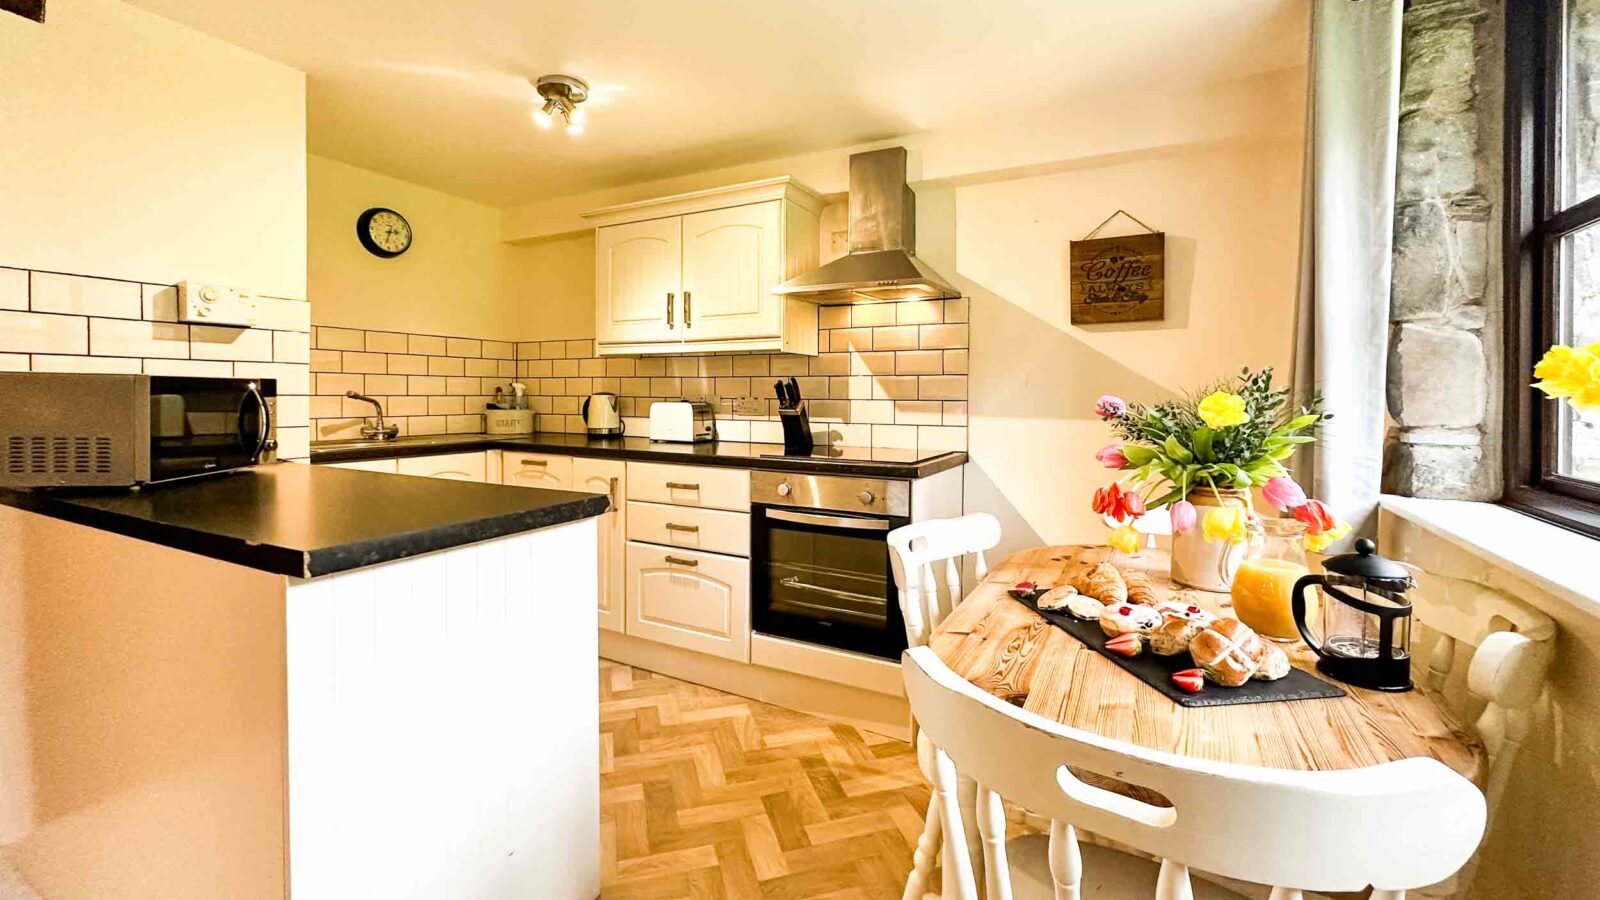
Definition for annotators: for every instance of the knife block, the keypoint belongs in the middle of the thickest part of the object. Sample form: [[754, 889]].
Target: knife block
[[796, 431]]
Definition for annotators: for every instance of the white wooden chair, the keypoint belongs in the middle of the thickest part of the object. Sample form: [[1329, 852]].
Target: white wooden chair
[[1396, 826], [923, 555]]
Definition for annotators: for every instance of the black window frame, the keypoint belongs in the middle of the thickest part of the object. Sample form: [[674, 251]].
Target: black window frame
[[1535, 224]]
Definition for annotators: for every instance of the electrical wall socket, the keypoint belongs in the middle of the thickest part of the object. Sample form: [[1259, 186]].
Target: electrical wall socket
[[749, 406]]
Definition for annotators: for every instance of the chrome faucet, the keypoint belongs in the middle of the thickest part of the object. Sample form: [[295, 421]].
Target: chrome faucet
[[378, 431]]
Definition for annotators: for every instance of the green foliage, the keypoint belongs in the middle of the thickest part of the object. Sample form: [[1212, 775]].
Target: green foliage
[[1168, 442]]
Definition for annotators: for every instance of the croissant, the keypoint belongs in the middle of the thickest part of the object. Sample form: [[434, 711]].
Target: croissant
[[1141, 589], [1102, 582]]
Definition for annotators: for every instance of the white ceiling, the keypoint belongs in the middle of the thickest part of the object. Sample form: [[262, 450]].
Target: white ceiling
[[436, 91]]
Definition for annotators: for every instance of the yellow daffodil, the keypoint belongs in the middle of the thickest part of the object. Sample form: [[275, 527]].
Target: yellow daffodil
[[1222, 410], [1124, 539], [1571, 372], [1317, 543], [1227, 523]]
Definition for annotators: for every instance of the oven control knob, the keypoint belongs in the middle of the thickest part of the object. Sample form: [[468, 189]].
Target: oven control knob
[[783, 489], [866, 498]]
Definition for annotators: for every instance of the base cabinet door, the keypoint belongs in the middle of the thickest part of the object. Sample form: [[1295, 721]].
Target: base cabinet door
[[609, 477], [387, 466], [452, 466], [540, 470], [697, 601]]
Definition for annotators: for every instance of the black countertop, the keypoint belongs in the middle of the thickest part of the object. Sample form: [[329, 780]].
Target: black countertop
[[307, 521], [858, 462]]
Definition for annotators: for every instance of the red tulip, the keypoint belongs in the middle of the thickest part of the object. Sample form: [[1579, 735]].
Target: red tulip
[[1316, 516]]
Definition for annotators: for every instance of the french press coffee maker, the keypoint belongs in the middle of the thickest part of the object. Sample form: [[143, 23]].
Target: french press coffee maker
[[1366, 619]]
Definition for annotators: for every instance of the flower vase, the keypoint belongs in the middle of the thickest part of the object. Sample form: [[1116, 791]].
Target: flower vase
[[1209, 565]]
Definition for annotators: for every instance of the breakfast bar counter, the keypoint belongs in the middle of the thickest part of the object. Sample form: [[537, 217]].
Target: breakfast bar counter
[[301, 680]]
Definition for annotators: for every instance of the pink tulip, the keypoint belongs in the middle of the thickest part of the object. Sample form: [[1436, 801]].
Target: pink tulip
[[1283, 493], [1111, 456], [1183, 516], [1109, 406]]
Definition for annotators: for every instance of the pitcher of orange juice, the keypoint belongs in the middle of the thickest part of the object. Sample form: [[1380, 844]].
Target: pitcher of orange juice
[[1264, 587]]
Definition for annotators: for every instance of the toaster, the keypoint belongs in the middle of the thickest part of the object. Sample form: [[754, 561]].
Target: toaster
[[682, 421]]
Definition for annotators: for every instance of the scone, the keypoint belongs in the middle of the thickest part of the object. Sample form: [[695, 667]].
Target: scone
[[1056, 598], [1226, 650], [1084, 607], [1179, 624], [1271, 663], [1129, 618]]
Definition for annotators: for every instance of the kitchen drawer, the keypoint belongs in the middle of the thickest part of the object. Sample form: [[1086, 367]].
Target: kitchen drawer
[[452, 466], [387, 466], [539, 470], [689, 599], [715, 488], [716, 530]]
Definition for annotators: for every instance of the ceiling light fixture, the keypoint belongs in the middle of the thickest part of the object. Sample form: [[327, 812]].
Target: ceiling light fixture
[[561, 95]]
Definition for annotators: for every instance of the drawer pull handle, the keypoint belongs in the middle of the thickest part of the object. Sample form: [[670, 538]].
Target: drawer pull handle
[[674, 526], [677, 561], [682, 486], [535, 462]]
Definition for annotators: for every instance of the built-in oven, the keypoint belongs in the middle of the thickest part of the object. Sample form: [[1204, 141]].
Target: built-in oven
[[820, 561]]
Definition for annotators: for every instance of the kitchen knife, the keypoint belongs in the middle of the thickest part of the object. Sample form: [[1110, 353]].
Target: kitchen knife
[[794, 393], [783, 399]]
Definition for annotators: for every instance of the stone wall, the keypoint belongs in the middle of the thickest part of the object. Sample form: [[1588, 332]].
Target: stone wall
[[1445, 341]]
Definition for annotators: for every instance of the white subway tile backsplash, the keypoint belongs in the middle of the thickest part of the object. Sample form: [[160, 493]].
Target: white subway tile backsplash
[[118, 365], [327, 383], [26, 331], [292, 378], [955, 362], [77, 295], [340, 338], [406, 364], [446, 365], [895, 437], [832, 317], [895, 337], [361, 362], [920, 362], [280, 314], [13, 289], [386, 342], [499, 350], [191, 368], [426, 345], [919, 312], [380, 385], [943, 387], [483, 367], [463, 347], [955, 310], [291, 346], [941, 337], [937, 438], [13, 362], [123, 337], [294, 443], [218, 342], [294, 412], [868, 315]]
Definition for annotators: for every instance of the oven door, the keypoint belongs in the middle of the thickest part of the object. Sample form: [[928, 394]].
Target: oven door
[[823, 577], [204, 425]]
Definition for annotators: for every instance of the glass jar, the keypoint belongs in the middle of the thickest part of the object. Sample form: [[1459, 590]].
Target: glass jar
[[1263, 588]]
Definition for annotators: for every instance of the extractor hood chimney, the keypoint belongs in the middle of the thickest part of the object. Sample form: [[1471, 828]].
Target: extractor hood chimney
[[882, 262]]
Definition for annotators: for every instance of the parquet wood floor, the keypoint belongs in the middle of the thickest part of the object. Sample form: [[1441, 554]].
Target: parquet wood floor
[[709, 795]]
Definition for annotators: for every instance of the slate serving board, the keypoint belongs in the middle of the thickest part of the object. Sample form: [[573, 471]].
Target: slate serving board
[[1156, 671]]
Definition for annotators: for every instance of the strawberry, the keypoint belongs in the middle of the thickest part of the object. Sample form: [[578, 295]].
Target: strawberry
[[1190, 680], [1130, 644], [1026, 587]]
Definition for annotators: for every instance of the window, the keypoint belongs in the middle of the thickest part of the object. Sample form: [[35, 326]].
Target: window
[[1552, 250]]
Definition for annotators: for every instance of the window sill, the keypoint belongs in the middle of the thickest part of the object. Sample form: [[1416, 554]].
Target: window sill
[[1559, 561]]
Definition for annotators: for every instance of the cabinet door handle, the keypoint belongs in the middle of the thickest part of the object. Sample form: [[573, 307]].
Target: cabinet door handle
[[535, 462], [682, 486], [677, 561], [669, 309], [687, 306], [674, 526]]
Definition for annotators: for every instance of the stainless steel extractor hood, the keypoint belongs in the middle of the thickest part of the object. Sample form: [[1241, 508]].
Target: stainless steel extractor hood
[[882, 262]]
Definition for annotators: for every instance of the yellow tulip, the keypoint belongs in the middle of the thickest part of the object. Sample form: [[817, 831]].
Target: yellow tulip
[[1573, 373], [1317, 543], [1227, 523], [1222, 409], [1124, 539]]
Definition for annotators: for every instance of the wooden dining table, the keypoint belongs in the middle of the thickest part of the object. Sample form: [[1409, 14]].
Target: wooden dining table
[[1009, 650]]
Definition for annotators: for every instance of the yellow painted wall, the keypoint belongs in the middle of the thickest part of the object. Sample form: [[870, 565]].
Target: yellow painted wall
[[550, 288], [135, 148]]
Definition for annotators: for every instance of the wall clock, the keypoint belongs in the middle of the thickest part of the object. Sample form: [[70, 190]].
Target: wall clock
[[384, 232]]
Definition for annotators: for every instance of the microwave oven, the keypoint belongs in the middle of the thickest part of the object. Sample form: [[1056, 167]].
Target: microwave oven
[[71, 430]]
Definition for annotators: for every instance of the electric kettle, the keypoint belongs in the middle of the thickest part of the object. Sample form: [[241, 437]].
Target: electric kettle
[[600, 416]]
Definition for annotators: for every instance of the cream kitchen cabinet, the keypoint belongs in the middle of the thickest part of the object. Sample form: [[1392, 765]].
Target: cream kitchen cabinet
[[686, 598], [539, 470], [609, 477], [454, 466], [386, 466], [694, 273]]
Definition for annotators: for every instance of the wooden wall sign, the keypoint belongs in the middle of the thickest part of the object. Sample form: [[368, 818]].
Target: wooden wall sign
[[1119, 279]]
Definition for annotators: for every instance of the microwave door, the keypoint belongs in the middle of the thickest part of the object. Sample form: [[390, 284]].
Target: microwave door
[[200, 425]]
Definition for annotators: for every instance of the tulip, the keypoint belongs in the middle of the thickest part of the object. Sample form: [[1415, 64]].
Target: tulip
[[1317, 543], [1183, 517], [1124, 539], [1316, 516], [1222, 409], [1227, 523], [1133, 504], [1111, 457], [1109, 406], [1283, 493]]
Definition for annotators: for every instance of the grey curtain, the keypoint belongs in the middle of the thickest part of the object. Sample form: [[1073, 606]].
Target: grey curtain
[[1342, 323]]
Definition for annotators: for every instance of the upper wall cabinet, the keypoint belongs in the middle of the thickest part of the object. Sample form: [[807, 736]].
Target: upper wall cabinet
[[695, 273]]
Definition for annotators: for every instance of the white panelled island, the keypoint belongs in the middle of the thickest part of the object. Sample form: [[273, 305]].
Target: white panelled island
[[300, 680]]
